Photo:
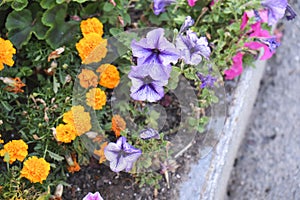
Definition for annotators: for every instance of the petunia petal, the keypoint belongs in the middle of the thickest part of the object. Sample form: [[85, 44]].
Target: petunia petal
[[118, 165]]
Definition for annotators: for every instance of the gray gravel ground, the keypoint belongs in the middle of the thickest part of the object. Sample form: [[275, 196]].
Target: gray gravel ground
[[268, 162]]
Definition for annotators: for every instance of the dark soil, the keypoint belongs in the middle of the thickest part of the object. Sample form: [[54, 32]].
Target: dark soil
[[115, 186]]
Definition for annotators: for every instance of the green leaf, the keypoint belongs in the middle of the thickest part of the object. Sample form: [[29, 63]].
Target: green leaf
[[19, 5], [55, 156], [80, 1], [6, 106], [46, 4], [108, 7], [6, 157], [174, 78], [61, 32], [21, 25], [24, 71]]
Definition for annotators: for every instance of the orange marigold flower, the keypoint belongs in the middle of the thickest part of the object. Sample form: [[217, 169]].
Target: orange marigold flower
[[65, 133], [100, 152], [73, 166], [92, 48], [91, 25], [96, 98], [118, 124], [79, 119], [88, 78], [109, 76], [35, 169], [16, 149], [6, 53]]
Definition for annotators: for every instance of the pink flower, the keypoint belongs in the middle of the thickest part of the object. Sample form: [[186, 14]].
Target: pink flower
[[91, 196], [192, 2], [265, 40], [257, 45], [236, 68], [260, 16], [213, 2]]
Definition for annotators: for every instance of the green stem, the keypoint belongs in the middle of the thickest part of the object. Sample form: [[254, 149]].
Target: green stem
[[46, 149]]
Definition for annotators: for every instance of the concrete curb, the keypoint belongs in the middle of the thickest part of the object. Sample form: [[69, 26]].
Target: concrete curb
[[209, 176]]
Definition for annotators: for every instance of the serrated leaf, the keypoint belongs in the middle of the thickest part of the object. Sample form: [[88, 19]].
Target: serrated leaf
[[21, 25], [55, 156]]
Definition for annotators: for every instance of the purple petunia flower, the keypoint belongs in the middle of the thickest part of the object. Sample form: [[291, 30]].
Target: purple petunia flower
[[159, 5], [188, 22], [149, 133], [271, 43], [148, 82], [206, 81], [276, 10], [290, 13], [121, 155], [91, 196], [155, 48], [192, 48]]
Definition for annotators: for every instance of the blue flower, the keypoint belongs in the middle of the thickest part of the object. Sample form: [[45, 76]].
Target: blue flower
[[149, 133], [290, 13], [159, 5], [188, 22], [206, 81], [155, 48], [276, 9], [121, 155], [148, 82], [192, 48], [271, 43]]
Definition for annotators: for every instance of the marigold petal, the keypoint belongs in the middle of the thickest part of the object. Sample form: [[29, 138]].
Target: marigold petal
[[96, 98], [35, 169], [16, 149], [6, 53], [109, 76], [91, 25], [87, 78], [118, 124], [91, 48]]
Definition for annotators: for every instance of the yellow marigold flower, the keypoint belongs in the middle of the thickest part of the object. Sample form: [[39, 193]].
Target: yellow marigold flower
[[65, 133], [109, 76], [6, 53], [100, 153], [16, 149], [91, 25], [35, 169], [96, 98], [79, 119], [1, 141], [118, 124], [91, 48], [88, 78]]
